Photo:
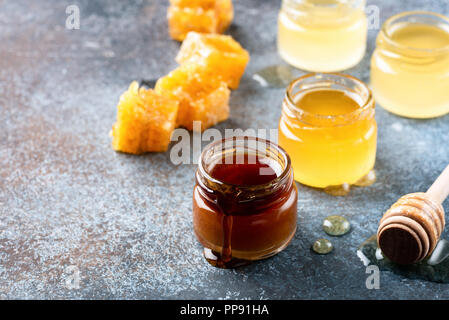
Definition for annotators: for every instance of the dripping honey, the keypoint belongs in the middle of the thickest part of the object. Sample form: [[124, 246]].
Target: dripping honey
[[244, 206]]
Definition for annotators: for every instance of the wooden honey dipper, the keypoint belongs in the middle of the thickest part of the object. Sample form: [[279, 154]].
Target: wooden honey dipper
[[409, 231]]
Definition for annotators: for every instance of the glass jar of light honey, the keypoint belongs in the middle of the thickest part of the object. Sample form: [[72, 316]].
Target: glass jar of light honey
[[410, 65], [328, 128], [244, 201], [322, 35]]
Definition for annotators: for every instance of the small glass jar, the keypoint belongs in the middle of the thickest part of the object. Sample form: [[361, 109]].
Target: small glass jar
[[410, 65], [244, 201], [322, 35], [334, 148]]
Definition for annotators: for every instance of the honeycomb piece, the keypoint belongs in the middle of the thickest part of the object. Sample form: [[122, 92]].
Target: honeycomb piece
[[183, 20], [225, 12], [205, 4], [145, 121], [202, 95], [207, 16], [220, 53]]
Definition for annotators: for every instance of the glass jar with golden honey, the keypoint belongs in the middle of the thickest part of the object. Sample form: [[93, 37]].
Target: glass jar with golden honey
[[410, 65], [328, 128], [244, 201], [322, 35]]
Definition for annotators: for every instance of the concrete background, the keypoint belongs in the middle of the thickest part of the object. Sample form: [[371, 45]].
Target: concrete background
[[124, 222]]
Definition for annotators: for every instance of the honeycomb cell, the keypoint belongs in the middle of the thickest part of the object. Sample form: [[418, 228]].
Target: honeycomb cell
[[145, 121], [202, 95], [219, 53], [205, 16], [183, 20]]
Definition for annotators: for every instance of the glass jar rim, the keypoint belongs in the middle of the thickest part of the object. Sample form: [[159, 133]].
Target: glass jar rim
[[269, 144], [391, 21], [369, 101]]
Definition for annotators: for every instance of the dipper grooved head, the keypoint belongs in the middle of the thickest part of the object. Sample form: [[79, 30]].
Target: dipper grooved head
[[409, 231]]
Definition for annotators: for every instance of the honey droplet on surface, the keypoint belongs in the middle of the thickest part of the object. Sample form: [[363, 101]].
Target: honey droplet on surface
[[322, 246], [336, 225], [434, 269], [278, 76], [367, 180], [216, 260], [339, 190]]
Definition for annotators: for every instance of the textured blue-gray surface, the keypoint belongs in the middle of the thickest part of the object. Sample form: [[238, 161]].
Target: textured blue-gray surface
[[124, 222]]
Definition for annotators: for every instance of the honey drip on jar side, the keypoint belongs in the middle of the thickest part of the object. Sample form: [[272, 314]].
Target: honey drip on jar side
[[246, 172], [224, 258]]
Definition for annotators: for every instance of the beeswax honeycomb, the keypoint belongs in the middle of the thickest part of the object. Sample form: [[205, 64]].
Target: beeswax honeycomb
[[205, 4], [225, 11], [145, 121], [219, 53], [202, 95], [207, 16]]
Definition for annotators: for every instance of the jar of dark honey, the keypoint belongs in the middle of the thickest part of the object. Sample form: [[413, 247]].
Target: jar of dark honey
[[244, 201]]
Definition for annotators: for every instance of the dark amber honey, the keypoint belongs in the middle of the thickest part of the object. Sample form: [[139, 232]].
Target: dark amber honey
[[244, 202], [250, 170]]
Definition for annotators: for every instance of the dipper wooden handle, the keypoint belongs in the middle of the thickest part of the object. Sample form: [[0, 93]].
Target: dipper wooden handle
[[409, 231], [439, 190]]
